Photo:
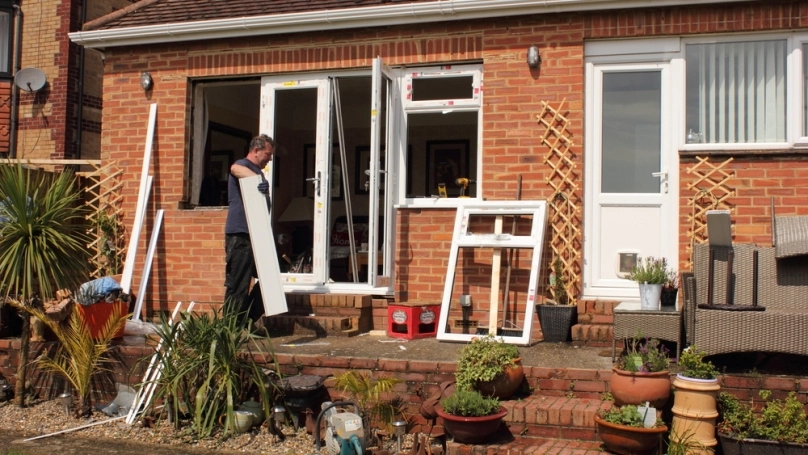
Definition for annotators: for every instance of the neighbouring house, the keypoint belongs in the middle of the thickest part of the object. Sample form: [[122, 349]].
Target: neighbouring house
[[53, 112], [631, 118]]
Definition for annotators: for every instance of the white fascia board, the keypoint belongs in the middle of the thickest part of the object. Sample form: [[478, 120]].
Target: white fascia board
[[362, 17]]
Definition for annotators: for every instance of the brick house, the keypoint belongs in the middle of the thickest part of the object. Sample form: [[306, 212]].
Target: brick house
[[659, 111]]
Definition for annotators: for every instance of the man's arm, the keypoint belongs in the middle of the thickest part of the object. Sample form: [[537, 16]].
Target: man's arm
[[240, 171]]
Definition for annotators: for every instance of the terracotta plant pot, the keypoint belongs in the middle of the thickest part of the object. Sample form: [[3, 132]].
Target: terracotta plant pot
[[504, 385], [471, 430], [636, 388], [694, 412], [625, 440]]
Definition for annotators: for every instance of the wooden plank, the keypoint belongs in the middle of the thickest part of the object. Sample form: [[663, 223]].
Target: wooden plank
[[263, 246], [144, 277]]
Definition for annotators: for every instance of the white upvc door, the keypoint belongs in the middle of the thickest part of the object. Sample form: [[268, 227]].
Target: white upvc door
[[631, 173], [277, 91]]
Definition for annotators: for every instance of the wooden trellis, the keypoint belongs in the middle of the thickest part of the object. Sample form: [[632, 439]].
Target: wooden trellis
[[102, 190], [711, 191], [564, 213]]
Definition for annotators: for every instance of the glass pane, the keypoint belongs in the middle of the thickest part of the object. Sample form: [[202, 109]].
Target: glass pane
[[736, 92], [805, 90], [442, 88], [442, 148], [631, 132], [5, 40]]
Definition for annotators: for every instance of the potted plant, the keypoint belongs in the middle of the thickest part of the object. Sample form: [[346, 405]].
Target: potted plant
[[694, 401], [650, 274], [781, 427], [557, 315], [491, 366], [670, 289], [366, 392], [469, 416], [642, 373], [623, 430]]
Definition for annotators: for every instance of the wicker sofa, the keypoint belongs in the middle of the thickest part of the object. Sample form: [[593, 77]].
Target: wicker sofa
[[782, 289]]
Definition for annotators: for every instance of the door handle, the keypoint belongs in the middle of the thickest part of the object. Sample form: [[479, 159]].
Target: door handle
[[316, 182], [664, 176]]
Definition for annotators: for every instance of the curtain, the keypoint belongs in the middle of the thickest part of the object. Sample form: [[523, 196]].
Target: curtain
[[200, 116], [736, 92]]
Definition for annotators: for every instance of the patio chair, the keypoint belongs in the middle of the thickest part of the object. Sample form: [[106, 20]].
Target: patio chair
[[781, 286]]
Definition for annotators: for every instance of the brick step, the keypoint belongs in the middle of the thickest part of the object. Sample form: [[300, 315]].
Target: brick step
[[592, 334], [542, 424], [318, 326]]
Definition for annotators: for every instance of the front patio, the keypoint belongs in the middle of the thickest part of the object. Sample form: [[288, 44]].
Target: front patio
[[568, 382]]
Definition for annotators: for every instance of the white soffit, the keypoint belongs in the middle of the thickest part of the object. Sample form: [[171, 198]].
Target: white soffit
[[360, 17]]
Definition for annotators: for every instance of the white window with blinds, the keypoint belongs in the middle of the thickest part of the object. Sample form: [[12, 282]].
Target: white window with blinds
[[736, 92]]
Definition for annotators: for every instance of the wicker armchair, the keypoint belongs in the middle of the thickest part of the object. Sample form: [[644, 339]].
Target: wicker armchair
[[782, 288]]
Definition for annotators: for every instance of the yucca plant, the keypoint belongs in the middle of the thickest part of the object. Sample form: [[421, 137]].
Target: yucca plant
[[208, 367], [79, 357], [42, 243], [367, 393]]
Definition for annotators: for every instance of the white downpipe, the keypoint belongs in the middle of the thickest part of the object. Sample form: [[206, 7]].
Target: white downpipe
[[362, 17]]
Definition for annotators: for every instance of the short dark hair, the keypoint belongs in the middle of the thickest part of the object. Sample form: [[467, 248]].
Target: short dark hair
[[261, 141]]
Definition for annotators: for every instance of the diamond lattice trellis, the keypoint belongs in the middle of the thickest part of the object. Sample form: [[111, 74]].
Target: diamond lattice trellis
[[102, 190], [564, 218], [711, 191]]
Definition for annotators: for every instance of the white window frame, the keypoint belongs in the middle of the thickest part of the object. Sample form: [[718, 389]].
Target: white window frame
[[794, 103], [473, 104]]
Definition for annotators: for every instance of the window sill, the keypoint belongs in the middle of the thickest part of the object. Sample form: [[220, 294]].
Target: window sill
[[796, 150]]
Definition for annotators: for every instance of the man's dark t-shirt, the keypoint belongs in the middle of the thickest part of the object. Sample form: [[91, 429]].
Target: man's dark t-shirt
[[236, 218]]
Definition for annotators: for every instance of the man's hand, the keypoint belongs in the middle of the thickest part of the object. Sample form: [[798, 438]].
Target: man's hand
[[263, 187]]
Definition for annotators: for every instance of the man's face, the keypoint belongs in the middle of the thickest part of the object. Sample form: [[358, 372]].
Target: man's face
[[264, 155]]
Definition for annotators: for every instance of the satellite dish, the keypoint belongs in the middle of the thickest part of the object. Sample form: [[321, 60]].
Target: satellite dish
[[30, 79]]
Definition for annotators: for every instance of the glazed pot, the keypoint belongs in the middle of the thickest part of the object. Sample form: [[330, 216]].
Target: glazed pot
[[504, 385], [471, 430], [625, 440], [628, 387], [695, 412], [255, 409]]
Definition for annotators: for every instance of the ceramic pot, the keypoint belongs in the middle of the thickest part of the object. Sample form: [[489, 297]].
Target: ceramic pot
[[625, 440], [668, 297], [242, 421], [504, 385], [636, 388], [650, 296], [471, 430], [695, 412], [255, 409]]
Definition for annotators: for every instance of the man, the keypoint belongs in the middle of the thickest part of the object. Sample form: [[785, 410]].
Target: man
[[240, 268]]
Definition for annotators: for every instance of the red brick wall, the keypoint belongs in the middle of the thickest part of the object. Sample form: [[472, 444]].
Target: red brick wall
[[190, 260]]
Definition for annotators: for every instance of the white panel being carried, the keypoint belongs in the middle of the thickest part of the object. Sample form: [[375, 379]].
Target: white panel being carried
[[263, 246], [536, 213]]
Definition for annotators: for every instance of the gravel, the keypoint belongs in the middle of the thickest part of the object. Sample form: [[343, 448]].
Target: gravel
[[46, 417]]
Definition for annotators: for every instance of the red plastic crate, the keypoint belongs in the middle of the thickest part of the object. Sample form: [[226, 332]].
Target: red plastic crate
[[96, 316], [412, 320]]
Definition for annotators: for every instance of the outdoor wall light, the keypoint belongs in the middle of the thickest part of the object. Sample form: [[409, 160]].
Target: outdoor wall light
[[146, 80], [533, 56]]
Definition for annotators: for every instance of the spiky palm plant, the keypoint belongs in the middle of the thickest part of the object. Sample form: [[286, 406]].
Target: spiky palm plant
[[79, 356], [42, 242], [367, 393]]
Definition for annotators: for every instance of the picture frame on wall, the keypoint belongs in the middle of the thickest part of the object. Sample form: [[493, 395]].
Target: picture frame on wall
[[447, 160]]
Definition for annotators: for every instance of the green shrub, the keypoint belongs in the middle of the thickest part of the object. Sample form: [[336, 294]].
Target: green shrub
[[483, 359], [469, 403], [780, 420], [692, 365], [627, 415]]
